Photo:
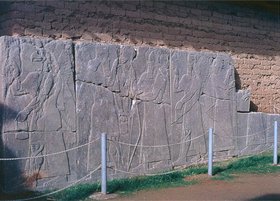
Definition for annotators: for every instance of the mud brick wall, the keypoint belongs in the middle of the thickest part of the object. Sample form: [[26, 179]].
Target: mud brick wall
[[249, 35]]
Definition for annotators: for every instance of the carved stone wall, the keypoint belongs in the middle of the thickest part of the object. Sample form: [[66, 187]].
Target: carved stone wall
[[155, 104], [37, 85], [151, 97]]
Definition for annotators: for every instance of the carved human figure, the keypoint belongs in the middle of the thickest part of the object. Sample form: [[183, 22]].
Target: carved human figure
[[40, 93], [103, 119], [104, 112], [222, 78], [42, 113], [99, 70], [13, 81], [222, 94], [125, 79], [125, 74], [188, 109], [151, 88], [15, 93]]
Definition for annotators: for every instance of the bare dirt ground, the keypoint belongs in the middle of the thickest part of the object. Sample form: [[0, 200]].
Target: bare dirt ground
[[243, 187]]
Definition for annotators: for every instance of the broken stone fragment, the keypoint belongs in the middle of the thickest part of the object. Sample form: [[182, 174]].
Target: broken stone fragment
[[243, 100]]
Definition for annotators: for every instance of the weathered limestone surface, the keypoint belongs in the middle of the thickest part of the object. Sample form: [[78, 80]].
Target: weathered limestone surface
[[37, 85], [155, 104]]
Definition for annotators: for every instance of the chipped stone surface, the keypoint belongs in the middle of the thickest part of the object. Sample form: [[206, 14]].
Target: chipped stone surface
[[155, 104]]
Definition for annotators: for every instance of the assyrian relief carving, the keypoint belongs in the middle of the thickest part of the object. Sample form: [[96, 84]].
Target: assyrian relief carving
[[223, 84], [156, 98], [188, 108], [152, 86], [38, 85], [155, 104]]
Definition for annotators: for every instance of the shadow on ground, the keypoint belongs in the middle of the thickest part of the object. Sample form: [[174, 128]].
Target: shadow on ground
[[267, 197]]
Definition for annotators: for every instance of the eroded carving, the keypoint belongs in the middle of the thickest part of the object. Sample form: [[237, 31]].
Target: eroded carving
[[188, 111], [38, 84]]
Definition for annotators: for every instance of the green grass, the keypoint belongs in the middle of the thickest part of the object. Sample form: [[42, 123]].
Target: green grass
[[78, 192], [223, 176], [259, 164], [124, 186]]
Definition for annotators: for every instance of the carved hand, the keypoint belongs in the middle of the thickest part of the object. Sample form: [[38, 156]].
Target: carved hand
[[22, 116]]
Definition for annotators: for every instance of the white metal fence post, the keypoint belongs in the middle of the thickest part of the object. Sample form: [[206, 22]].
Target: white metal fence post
[[104, 163], [210, 152], [275, 156]]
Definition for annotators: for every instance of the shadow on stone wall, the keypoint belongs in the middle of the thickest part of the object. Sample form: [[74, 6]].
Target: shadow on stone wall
[[10, 172], [267, 197], [5, 7], [237, 80], [253, 107]]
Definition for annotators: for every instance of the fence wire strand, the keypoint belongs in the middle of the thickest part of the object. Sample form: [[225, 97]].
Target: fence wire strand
[[51, 154], [255, 133], [270, 148], [155, 146], [123, 143], [159, 173]]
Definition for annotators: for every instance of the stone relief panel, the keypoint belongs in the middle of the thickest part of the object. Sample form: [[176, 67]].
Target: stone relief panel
[[96, 68], [133, 109], [155, 104], [37, 83], [186, 123], [203, 88], [255, 132], [153, 100], [220, 91]]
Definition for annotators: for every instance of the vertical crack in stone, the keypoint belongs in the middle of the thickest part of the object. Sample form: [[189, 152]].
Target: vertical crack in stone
[[74, 65]]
